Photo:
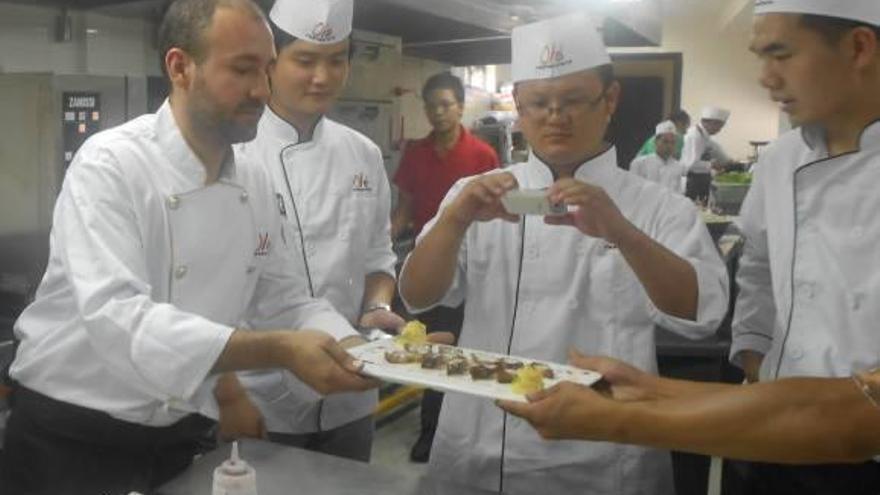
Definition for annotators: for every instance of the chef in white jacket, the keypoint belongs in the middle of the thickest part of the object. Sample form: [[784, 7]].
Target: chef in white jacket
[[628, 256], [162, 244], [809, 276], [661, 166], [334, 199], [701, 152]]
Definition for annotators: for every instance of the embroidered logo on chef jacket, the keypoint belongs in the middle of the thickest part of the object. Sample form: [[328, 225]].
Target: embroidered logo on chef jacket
[[552, 57], [263, 245], [361, 183], [322, 32]]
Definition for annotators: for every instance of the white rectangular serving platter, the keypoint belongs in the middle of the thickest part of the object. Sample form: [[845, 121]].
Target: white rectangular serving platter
[[375, 365]]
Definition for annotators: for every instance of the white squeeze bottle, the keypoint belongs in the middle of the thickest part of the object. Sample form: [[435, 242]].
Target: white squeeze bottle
[[234, 476]]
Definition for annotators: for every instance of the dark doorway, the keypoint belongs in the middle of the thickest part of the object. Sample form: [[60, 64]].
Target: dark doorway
[[639, 110]]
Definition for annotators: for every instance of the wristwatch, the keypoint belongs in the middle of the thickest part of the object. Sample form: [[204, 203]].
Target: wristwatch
[[376, 305]]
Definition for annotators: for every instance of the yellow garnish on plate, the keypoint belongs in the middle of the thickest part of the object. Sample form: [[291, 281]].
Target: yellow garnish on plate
[[414, 332], [528, 379]]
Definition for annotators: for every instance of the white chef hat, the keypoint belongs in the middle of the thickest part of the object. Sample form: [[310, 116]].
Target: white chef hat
[[867, 11], [715, 113], [665, 127], [557, 47], [317, 21]]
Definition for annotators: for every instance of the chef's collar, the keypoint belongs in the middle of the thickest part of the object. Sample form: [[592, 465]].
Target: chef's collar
[[286, 132], [596, 170], [179, 153], [814, 137]]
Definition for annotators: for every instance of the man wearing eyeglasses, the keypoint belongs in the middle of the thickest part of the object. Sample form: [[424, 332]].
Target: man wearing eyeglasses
[[429, 167], [627, 256]]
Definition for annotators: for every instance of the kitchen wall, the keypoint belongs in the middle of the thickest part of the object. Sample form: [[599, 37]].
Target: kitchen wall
[[718, 69], [99, 45]]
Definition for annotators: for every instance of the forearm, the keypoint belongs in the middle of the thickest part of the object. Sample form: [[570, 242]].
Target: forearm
[[670, 281], [430, 270], [378, 289], [791, 421], [228, 389], [250, 350]]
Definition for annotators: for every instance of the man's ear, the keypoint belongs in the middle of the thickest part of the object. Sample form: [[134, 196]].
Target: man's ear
[[612, 96], [179, 66], [864, 46]]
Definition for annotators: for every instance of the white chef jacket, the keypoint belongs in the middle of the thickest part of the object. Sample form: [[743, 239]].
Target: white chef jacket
[[149, 271], [809, 276], [700, 150], [575, 291], [342, 201], [667, 173]]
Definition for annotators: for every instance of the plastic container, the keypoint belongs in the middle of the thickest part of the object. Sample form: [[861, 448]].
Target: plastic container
[[234, 476]]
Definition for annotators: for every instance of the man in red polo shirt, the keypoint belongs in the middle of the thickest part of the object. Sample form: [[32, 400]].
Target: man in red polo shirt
[[431, 165], [428, 169]]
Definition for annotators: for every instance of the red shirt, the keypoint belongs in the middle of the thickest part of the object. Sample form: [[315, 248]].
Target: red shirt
[[427, 177]]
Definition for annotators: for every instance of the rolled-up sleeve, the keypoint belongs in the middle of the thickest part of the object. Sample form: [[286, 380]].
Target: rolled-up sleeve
[[455, 294], [754, 315], [156, 347]]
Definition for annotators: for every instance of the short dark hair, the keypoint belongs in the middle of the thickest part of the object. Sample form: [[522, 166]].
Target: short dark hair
[[833, 28], [444, 80], [680, 116], [283, 39], [184, 23]]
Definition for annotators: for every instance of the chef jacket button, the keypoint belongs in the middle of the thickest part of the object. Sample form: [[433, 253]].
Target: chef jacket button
[[251, 269], [572, 304], [805, 290], [180, 271], [343, 235], [858, 232], [795, 353], [855, 302], [243, 197], [532, 252], [173, 202]]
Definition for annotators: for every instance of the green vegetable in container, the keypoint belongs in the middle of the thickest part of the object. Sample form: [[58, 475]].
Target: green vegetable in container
[[734, 178]]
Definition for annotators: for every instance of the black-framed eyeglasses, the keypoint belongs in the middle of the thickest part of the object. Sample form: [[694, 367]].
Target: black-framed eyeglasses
[[564, 107]]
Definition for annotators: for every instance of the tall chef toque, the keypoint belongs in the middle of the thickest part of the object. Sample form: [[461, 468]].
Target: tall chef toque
[[316, 21], [557, 47], [867, 11]]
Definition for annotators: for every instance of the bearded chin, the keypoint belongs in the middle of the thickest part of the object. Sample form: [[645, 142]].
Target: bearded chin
[[233, 132]]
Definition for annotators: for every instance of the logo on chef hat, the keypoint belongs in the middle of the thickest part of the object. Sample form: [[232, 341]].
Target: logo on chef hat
[[322, 33], [552, 56]]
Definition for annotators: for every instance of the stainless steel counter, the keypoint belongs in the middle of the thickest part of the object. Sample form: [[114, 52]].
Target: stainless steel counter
[[285, 470]]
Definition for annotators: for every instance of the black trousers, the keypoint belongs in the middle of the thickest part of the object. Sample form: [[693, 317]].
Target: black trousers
[[57, 448], [698, 186], [754, 478], [439, 319]]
